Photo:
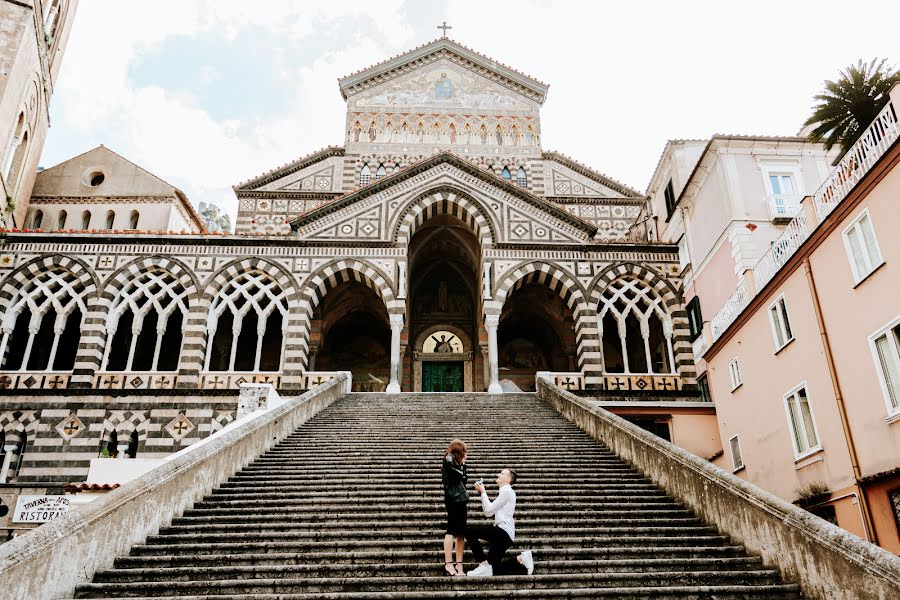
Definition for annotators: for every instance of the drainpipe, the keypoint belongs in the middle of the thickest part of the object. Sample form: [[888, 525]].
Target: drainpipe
[[842, 408]]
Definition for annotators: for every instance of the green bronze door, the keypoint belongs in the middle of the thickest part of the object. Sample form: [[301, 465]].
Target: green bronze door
[[442, 376]]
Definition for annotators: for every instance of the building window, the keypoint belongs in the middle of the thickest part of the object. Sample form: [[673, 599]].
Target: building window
[[670, 199], [703, 384], [862, 247], [505, 174], [781, 325], [826, 512], [110, 219], [886, 348], [380, 172], [133, 220], [365, 176], [737, 460], [520, 177], [37, 220], [801, 422], [85, 219], [894, 497], [695, 318], [61, 221], [734, 371]]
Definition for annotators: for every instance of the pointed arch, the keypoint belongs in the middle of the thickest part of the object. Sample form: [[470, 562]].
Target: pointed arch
[[447, 201], [653, 285], [505, 174], [453, 138], [44, 303], [569, 289], [404, 133], [381, 172], [483, 134], [498, 135], [521, 178], [365, 175], [436, 134]]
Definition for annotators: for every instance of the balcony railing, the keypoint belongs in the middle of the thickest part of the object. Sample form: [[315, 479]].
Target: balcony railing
[[728, 313], [783, 207], [782, 249], [874, 142]]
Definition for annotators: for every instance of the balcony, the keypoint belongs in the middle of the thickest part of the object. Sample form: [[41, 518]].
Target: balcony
[[783, 207]]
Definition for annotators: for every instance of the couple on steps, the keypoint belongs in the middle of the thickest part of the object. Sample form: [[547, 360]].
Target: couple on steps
[[500, 535]]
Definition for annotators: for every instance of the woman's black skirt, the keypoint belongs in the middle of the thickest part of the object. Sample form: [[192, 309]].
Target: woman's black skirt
[[457, 513]]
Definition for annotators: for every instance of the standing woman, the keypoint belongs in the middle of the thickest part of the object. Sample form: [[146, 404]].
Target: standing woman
[[456, 498]]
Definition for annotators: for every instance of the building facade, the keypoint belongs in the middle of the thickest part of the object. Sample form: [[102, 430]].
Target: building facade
[[440, 248], [35, 33], [804, 355]]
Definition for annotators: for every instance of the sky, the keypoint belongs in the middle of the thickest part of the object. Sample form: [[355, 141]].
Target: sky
[[208, 93]]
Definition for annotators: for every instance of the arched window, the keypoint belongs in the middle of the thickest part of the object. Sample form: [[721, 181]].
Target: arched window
[[396, 168], [404, 133], [14, 142], [110, 219], [18, 163], [453, 139], [365, 176], [436, 134], [520, 177], [246, 325], [145, 323], [489, 169], [110, 445], [37, 219], [42, 325], [388, 135], [61, 221], [467, 134], [505, 174], [357, 131], [133, 443], [373, 132], [86, 219], [529, 136], [133, 219], [514, 136], [51, 19], [381, 172], [498, 135], [420, 133], [483, 135], [635, 329]]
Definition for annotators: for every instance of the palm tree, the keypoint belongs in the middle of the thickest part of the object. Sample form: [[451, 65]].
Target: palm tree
[[847, 106]]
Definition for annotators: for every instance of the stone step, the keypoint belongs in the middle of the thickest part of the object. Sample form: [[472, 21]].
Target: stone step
[[396, 520], [437, 511], [300, 500], [391, 487], [436, 506], [428, 584], [407, 569], [430, 555], [168, 545]]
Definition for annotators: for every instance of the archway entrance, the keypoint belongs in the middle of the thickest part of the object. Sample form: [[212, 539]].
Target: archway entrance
[[443, 304], [536, 333], [350, 332]]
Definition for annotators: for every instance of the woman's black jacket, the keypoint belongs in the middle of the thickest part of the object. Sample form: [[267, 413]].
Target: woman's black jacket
[[454, 476]]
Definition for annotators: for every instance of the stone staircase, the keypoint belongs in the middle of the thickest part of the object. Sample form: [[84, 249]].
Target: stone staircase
[[350, 506]]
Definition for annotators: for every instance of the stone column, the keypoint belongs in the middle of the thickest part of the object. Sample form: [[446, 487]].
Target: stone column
[[9, 450], [396, 328], [490, 323]]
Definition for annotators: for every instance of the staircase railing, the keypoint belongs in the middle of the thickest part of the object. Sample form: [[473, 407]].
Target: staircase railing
[[49, 561], [827, 562]]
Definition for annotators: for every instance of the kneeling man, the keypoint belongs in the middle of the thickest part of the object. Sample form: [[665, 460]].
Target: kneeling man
[[500, 535]]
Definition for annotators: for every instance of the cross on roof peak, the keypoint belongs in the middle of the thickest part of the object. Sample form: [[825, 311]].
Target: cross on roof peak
[[445, 27]]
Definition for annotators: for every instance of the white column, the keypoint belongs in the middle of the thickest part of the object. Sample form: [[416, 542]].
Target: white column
[[396, 328], [9, 450], [491, 322]]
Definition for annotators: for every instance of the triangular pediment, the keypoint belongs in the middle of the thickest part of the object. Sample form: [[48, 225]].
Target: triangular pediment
[[443, 49], [374, 213], [564, 177], [319, 172]]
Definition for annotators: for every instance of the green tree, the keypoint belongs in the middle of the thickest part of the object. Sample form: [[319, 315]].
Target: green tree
[[847, 106]]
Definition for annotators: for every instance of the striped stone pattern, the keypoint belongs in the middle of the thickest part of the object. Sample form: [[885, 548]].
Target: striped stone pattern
[[586, 338], [51, 457], [671, 300], [445, 202]]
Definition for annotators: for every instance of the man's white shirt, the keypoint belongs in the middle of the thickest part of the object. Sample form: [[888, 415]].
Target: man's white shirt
[[502, 509]]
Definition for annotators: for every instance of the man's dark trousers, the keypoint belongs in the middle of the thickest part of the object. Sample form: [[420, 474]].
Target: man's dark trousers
[[500, 543]]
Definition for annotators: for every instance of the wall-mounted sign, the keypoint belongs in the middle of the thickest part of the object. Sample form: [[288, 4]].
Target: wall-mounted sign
[[40, 509]]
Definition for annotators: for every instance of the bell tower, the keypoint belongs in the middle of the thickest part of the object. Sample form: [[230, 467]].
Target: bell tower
[[36, 32]]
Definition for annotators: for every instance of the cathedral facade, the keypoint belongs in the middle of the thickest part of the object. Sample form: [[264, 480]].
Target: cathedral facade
[[440, 248]]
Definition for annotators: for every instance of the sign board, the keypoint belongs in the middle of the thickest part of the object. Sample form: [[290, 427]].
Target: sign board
[[40, 509]]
